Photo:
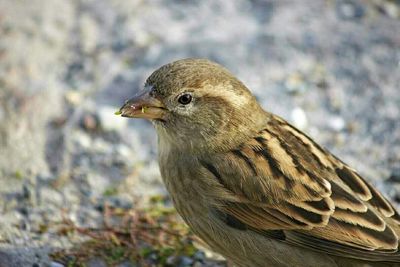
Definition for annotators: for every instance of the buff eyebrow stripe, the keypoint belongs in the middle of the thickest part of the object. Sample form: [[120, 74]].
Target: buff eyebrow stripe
[[246, 159]]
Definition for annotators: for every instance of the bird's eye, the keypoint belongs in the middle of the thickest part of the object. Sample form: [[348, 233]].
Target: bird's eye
[[185, 99]]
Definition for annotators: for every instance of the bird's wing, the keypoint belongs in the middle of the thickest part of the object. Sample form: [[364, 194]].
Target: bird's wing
[[282, 180]]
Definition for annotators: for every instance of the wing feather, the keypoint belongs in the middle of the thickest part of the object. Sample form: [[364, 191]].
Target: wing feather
[[285, 181]]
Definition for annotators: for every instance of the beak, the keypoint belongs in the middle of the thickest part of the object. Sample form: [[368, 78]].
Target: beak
[[143, 106]]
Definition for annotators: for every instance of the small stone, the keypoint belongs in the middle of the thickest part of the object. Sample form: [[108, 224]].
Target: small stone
[[102, 146], [171, 261], [126, 264], [96, 262], [299, 118], [337, 123], [113, 201], [185, 261], [82, 139], [97, 183], [74, 97], [349, 10], [295, 84], [56, 264], [123, 150], [395, 176], [90, 122], [391, 9], [12, 218], [199, 255], [51, 196], [198, 264], [110, 122]]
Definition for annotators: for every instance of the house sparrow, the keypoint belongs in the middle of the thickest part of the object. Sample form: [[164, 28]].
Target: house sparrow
[[253, 187]]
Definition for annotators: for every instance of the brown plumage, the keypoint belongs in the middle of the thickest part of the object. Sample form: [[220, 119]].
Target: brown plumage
[[253, 187]]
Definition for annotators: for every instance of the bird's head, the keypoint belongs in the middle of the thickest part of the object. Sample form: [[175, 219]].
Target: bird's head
[[197, 104]]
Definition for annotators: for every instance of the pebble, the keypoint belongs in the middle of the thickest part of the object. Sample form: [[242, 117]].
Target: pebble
[[96, 262], [126, 264], [391, 9], [295, 84], [109, 121], [98, 182], [337, 123], [82, 139], [350, 10], [74, 97], [395, 176], [50, 196], [199, 256], [185, 261], [90, 122], [299, 118], [117, 201], [56, 264]]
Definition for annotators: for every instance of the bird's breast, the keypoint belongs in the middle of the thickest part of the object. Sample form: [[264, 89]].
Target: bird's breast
[[185, 186]]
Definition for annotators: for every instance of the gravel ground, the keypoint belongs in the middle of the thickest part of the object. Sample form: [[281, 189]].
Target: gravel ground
[[330, 67]]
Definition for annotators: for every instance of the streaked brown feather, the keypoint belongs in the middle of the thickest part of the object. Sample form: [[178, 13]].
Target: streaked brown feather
[[344, 199], [367, 219], [331, 202], [355, 182]]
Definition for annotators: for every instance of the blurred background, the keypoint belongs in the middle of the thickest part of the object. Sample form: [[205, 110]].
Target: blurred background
[[330, 67]]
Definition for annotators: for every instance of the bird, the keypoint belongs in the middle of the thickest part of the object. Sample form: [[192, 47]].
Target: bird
[[254, 188]]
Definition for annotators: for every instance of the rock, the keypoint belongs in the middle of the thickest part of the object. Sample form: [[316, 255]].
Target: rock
[[50, 196], [117, 201], [199, 256], [337, 123], [295, 84], [96, 262], [350, 10], [185, 261], [126, 264], [395, 176], [73, 97], [299, 118], [21, 257], [82, 139], [90, 122], [56, 264], [109, 121]]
